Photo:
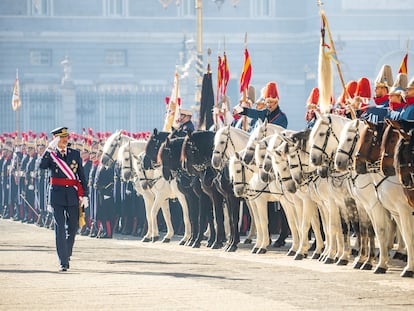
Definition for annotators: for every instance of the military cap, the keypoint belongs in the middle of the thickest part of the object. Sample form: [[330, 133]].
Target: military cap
[[60, 131]]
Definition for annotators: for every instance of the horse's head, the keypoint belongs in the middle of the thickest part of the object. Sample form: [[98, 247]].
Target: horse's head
[[221, 141], [280, 165], [298, 154], [404, 159], [256, 136], [238, 175], [368, 148], [347, 144], [152, 148], [260, 156], [196, 152], [125, 160], [389, 142], [110, 149], [324, 139]]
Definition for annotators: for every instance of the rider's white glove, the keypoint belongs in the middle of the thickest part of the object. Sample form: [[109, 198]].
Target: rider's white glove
[[53, 144], [84, 202]]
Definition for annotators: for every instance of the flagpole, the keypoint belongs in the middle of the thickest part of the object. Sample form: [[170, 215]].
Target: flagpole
[[244, 122], [18, 105]]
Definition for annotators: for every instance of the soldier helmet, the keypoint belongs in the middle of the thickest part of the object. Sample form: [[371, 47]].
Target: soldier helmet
[[384, 78]]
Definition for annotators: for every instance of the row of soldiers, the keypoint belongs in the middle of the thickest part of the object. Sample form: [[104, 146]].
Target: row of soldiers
[[114, 204], [387, 98]]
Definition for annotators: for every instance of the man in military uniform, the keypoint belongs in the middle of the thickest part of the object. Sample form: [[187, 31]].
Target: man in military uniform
[[186, 124], [5, 176], [29, 182], [40, 184], [68, 191]]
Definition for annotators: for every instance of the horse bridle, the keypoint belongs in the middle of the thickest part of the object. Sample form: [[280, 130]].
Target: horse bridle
[[223, 154], [328, 134], [111, 154], [353, 146]]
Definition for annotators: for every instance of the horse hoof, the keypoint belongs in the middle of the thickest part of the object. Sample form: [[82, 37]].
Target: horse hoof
[[254, 250], [209, 244], [279, 243], [155, 239], [329, 261], [366, 266], [342, 262], [397, 255], [261, 251], [217, 245], [145, 240], [196, 245], [299, 256], [231, 249], [166, 240], [407, 274], [247, 241], [182, 242], [291, 253], [316, 256], [380, 270], [358, 265]]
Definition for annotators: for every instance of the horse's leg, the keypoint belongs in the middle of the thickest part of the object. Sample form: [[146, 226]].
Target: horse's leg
[[263, 239], [293, 220], [149, 201], [384, 227], [309, 208], [407, 231], [234, 203], [186, 216], [252, 205], [253, 226], [219, 218], [316, 227]]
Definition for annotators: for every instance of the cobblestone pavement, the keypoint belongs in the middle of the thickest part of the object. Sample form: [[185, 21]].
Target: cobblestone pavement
[[126, 274]]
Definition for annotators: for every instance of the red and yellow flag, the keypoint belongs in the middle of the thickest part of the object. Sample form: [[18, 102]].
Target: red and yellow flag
[[403, 66], [246, 73], [16, 102]]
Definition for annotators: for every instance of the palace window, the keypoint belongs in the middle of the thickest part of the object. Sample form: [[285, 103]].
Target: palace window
[[41, 57], [115, 8], [40, 7], [116, 58], [262, 8]]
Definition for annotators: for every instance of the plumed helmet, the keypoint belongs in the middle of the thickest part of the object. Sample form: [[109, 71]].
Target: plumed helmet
[[271, 90], [313, 98], [363, 88], [400, 84], [350, 88], [384, 77]]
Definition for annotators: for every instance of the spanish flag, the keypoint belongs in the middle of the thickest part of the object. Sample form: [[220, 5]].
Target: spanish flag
[[16, 102], [403, 66], [246, 73]]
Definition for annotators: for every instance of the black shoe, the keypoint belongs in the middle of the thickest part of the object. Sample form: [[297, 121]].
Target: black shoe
[[64, 268]]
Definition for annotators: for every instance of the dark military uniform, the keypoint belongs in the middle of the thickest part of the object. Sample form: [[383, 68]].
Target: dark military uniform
[[64, 197]]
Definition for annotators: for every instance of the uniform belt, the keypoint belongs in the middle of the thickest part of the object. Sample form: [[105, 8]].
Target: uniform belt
[[54, 181]]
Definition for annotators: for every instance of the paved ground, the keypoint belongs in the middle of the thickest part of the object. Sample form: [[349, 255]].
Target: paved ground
[[126, 274]]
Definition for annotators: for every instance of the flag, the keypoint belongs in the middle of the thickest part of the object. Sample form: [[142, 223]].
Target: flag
[[246, 73], [226, 73], [16, 102], [206, 103], [403, 66], [219, 78], [172, 112]]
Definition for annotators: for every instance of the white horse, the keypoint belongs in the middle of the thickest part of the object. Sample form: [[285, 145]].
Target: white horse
[[324, 139], [260, 131], [296, 148], [364, 192], [132, 157]]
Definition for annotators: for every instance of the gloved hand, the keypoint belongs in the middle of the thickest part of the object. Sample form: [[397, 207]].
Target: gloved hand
[[84, 202], [53, 144], [128, 192]]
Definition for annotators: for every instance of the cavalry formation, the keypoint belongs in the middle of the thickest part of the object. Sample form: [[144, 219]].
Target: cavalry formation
[[341, 178]]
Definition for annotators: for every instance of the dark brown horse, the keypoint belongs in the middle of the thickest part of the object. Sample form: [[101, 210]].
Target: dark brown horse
[[404, 164]]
